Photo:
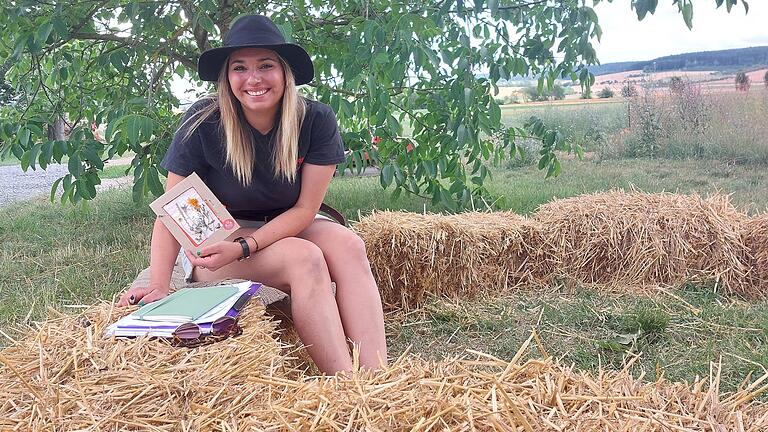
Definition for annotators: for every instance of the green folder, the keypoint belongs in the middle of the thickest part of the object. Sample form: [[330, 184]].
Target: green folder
[[186, 304]]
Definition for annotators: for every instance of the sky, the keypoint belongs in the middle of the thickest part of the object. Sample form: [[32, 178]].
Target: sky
[[665, 33]]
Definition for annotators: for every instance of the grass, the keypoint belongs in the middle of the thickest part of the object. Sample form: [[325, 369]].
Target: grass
[[676, 334]]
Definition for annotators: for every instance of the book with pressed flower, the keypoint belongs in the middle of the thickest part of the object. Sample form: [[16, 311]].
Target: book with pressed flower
[[193, 214]]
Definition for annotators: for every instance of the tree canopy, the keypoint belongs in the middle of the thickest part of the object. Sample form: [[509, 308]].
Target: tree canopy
[[419, 75]]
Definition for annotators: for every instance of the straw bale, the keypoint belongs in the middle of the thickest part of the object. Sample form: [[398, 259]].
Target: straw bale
[[632, 238], [64, 377], [67, 376], [756, 237], [415, 255], [484, 393]]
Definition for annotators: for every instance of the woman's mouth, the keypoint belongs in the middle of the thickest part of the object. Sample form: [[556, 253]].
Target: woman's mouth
[[256, 92]]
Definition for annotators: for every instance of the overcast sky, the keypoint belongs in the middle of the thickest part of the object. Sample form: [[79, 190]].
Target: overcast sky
[[664, 33]]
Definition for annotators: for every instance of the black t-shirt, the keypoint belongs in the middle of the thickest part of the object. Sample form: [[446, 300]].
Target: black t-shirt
[[205, 153]]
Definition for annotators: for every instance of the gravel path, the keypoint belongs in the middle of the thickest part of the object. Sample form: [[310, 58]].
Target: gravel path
[[17, 185]]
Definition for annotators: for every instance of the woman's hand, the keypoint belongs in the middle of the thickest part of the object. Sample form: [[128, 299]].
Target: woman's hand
[[142, 295], [216, 255]]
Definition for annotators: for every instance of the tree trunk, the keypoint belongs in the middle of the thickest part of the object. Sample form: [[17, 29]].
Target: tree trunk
[[56, 130]]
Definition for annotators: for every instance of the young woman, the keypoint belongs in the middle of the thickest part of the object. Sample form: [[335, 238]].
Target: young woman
[[268, 155]]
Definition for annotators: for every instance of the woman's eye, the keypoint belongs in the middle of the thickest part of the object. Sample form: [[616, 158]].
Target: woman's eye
[[266, 66]]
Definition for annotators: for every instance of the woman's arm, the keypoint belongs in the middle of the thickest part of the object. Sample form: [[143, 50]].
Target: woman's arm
[[314, 184], [163, 251]]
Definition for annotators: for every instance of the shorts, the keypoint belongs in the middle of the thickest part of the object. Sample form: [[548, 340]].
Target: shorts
[[188, 267]]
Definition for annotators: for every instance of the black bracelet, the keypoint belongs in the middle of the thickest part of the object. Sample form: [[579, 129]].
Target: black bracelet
[[254, 242], [246, 248]]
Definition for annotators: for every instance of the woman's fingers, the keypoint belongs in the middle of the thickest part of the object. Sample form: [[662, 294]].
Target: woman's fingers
[[154, 295], [134, 295]]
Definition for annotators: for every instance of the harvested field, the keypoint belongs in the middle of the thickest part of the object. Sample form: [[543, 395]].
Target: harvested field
[[65, 377], [416, 255]]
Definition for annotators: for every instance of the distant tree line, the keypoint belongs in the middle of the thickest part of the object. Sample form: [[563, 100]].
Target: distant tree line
[[699, 60]]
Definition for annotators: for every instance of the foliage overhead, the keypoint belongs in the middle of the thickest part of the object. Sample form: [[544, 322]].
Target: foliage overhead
[[411, 73]]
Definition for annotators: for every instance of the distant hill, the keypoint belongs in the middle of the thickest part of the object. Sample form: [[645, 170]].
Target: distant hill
[[741, 58]]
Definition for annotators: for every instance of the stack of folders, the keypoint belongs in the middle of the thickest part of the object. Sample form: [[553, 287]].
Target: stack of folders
[[201, 306]]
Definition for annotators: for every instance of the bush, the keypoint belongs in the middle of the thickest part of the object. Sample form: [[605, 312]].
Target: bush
[[628, 91], [676, 84], [765, 78], [556, 93], [605, 93], [507, 100], [742, 81], [694, 124]]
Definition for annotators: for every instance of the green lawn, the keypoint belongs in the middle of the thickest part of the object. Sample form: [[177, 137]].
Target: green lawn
[[62, 257]]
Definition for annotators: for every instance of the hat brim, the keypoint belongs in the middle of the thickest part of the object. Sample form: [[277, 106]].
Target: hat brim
[[211, 61]]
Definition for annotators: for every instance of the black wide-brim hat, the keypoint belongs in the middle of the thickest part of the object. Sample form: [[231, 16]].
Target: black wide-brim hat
[[256, 31]]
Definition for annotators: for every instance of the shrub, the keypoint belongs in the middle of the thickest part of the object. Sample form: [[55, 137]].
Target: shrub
[[628, 91], [556, 93], [742, 81], [605, 93], [676, 84], [765, 78]]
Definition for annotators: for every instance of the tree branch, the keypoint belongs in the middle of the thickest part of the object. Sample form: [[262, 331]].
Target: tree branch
[[135, 42]]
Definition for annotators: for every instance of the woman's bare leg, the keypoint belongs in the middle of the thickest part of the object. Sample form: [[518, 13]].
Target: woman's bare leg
[[298, 267], [357, 295]]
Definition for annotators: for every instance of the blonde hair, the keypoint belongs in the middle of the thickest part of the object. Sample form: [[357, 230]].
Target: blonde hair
[[238, 138]]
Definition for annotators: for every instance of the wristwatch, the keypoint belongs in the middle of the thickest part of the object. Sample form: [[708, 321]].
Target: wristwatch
[[246, 248]]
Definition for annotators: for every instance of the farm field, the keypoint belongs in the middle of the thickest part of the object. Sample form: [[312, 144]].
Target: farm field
[[708, 81]]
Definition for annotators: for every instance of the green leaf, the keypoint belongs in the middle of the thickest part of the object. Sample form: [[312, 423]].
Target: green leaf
[[43, 32], [34, 151], [155, 185], [207, 24], [387, 175], [46, 153], [93, 157], [60, 27], [493, 5], [688, 15], [55, 188], [24, 135], [74, 165]]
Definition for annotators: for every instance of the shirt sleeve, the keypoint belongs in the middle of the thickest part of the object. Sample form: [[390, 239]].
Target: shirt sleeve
[[326, 146], [185, 154]]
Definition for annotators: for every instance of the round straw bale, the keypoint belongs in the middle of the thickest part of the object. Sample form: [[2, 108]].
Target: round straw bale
[[634, 238], [415, 255], [756, 237]]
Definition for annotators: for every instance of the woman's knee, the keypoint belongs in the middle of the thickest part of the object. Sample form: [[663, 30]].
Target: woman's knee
[[350, 247], [305, 261]]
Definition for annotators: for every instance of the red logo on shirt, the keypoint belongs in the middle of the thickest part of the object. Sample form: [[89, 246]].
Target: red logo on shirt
[[299, 161]]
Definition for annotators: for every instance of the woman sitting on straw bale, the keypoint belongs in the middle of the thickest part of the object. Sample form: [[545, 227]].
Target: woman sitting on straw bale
[[269, 155]]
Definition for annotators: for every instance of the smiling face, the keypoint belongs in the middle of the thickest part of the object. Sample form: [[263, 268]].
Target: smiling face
[[257, 80]]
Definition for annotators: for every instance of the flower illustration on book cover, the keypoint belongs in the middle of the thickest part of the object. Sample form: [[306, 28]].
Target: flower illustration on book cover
[[193, 215]]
